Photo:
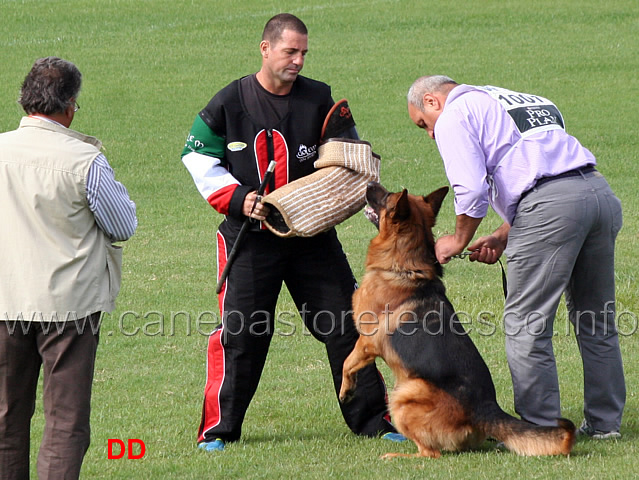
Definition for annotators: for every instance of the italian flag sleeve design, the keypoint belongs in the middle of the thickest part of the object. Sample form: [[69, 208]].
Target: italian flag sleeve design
[[203, 157]]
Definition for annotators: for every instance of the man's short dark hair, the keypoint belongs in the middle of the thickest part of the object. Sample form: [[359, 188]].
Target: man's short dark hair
[[283, 21], [50, 87]]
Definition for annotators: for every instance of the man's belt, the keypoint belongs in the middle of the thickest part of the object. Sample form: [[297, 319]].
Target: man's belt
[[571, 173]]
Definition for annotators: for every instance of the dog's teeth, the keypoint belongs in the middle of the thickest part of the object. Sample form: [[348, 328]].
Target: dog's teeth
[[370, 213]]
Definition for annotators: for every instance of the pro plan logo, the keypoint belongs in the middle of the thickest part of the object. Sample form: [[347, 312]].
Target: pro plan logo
[[304, 153]]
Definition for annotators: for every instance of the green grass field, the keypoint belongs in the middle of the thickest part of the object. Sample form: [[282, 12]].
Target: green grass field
[[150, 65]]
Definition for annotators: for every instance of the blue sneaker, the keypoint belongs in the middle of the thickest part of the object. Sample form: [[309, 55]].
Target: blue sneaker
[[217, 445], [394, 437]]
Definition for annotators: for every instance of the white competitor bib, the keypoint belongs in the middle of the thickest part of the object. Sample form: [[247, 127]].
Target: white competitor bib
[[531, 113]]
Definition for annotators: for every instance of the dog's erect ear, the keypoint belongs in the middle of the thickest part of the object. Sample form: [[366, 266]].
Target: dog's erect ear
[[436, 198], [402, 207]]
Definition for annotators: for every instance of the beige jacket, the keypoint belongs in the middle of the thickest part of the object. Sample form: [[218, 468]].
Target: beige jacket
[[56, 263]]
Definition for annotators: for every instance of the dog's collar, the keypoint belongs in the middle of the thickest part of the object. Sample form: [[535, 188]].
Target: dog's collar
[[415, 274]]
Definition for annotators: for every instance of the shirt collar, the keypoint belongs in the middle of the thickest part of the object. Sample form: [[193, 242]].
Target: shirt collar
[[46, 119]]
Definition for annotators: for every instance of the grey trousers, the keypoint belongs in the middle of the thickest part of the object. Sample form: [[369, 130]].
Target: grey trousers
[[67, 358], [562, 242]]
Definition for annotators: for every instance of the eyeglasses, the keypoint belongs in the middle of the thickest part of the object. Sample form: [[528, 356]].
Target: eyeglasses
[[76, 107]]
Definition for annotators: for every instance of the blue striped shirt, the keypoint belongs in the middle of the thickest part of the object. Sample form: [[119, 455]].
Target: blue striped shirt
[[109, 201]]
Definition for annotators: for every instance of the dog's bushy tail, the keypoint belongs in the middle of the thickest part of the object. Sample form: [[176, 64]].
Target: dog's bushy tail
[[526, 438]]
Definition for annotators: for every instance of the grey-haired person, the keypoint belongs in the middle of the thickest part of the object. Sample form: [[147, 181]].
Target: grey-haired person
[[62, 210], [510, 150]]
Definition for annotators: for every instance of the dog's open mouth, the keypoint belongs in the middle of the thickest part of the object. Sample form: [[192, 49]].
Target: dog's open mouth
[[372, 215]]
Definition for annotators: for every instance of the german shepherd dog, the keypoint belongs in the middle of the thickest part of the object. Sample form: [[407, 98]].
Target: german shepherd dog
[[444, 397]]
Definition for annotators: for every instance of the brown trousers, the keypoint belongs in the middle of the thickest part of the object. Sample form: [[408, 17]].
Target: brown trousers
[[66, 352]]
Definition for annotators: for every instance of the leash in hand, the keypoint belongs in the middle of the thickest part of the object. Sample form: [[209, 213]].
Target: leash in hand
[[504, 281]]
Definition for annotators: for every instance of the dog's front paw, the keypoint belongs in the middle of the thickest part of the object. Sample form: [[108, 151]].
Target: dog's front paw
[[346, 396], [347, 391]]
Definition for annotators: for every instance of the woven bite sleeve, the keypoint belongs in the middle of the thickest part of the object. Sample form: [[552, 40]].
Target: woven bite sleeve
[[327, 197]]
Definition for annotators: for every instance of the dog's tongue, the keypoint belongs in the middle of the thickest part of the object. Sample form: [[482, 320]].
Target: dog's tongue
[[370, 213]]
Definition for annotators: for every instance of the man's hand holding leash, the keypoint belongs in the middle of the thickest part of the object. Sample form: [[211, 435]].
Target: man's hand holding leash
[[490, 248], [449, 246], [486, 249]]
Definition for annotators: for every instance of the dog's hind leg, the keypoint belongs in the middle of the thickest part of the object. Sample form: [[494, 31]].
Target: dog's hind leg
[[424, 451], [429, 417], [360, 357]]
